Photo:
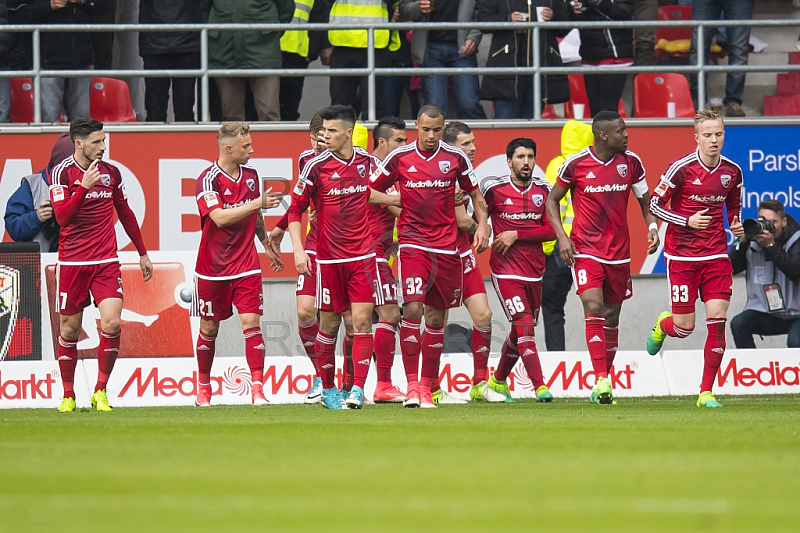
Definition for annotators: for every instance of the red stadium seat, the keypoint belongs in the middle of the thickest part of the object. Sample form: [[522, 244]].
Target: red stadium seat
[[21, 100], [110, 101], [549, 112], [577, 95], [652, 92], [672, 13]]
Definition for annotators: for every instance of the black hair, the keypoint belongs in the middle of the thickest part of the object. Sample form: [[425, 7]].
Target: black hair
[[81, 128], [453, 130], [384, 128], [430, 111], [345, 113], [520, 142]]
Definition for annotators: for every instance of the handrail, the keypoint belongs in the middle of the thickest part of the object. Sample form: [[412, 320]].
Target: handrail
[[700, 68]]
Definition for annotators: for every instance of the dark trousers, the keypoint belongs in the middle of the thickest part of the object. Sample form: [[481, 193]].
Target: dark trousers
[[604, 91], [556, 284], [749, 323], [292, 88], [156, 95], [353, 90]]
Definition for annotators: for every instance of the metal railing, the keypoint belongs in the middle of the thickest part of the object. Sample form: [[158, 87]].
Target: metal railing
[[537, 70]]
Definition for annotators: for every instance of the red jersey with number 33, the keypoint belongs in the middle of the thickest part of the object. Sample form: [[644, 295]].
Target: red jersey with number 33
[[688, 186], [229, 252], [600, 192]]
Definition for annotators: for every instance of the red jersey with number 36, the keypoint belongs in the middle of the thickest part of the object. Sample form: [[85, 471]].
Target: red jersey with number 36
[[229, 252], [688, 186]]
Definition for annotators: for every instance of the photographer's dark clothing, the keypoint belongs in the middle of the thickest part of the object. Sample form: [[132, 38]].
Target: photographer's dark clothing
[[777, 264]]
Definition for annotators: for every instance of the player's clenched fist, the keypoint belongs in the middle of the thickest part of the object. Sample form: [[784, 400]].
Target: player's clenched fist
[[91, 176]]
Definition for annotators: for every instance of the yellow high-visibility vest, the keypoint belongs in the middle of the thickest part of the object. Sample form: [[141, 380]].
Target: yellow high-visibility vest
[[296, 41], [358, 12]]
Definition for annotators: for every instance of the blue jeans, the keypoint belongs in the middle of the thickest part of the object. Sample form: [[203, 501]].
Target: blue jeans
[[465, 86], [738, 40], [749, 323], [522, 107]]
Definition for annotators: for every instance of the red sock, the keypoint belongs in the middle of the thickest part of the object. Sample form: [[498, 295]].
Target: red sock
[[67, 354], [347, 364], [308, 336], [612, 341], [668, 326], [713, 352], [362, 357], [528, 352], [481, 344], [206, 346], [107, 353], [509, 355], [325, 347], [432, 345], [384, 350], [410, 348], [596, 342], [254, 352]]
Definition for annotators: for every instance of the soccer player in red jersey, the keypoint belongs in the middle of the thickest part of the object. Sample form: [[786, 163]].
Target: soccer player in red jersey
[[516, 204], [690, 197], [85, 192], [389, 133], [601, 179], [336, 182], [227, 271], [430, 272]]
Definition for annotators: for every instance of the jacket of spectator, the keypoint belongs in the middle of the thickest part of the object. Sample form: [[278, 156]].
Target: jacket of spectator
[[169, 12], [778, 264], [597, 45], [7, 39], [409, 10], [506, 45], [246, 49], [59, 50]]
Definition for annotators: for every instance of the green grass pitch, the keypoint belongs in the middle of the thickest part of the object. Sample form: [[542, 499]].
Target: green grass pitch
[[641, 465]]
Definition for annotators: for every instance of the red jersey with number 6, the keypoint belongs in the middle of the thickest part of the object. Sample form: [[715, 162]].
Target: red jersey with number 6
[[688, 186], [229, 252]]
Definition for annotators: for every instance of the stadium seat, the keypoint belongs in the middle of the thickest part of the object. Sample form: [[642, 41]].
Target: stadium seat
[[549, 112], [652, 92], [577, 95], [675, 42], [21, 100], [110, 101]]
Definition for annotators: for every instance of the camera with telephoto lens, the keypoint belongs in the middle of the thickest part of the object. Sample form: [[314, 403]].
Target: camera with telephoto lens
[[755, 226]]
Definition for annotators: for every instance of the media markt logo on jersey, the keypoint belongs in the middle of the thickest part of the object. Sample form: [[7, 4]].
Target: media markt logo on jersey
[[9, 306]]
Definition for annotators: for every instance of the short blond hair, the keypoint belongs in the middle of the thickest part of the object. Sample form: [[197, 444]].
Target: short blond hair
[[706, 114], [230, 130]]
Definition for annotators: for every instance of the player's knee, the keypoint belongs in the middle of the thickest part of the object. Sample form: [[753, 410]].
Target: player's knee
[[482, 316], [593, 308], [413, 311], [70, 332], [389, 313], [306, 315], [209, 328], [110, 325]]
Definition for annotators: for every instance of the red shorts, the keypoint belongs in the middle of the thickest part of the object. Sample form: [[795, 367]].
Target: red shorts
[[435, 279], [520, 298], [76, 285], [307, 285], [214, 299], [613, 279], [473, 279], [342, 284], [387, 282], [712, 280]]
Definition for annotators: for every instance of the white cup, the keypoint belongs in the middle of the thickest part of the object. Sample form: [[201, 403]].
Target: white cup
[[578, 110], [539, 11], [671, 109]]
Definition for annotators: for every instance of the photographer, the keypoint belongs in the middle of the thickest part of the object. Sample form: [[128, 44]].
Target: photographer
[[770, 253], [29, 215]]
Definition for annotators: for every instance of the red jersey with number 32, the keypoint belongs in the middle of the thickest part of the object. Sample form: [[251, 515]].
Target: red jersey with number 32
[[91, 238], [229, 252], [427, 186], [688, 186], [600, 192], [513, 209]]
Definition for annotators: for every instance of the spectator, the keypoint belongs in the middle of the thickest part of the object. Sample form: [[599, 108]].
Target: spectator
[[350, 50], [738, 45], [605, 47], [61, 51], [772, 261], [247, 50], [7, 43], [513, 95], [446, 48], [29, 215], [298, 49], [169, 50], [395, 86], [646, 37], [557, 279]]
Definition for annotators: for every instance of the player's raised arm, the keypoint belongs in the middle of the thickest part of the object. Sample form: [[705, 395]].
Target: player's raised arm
[[566, 247]]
